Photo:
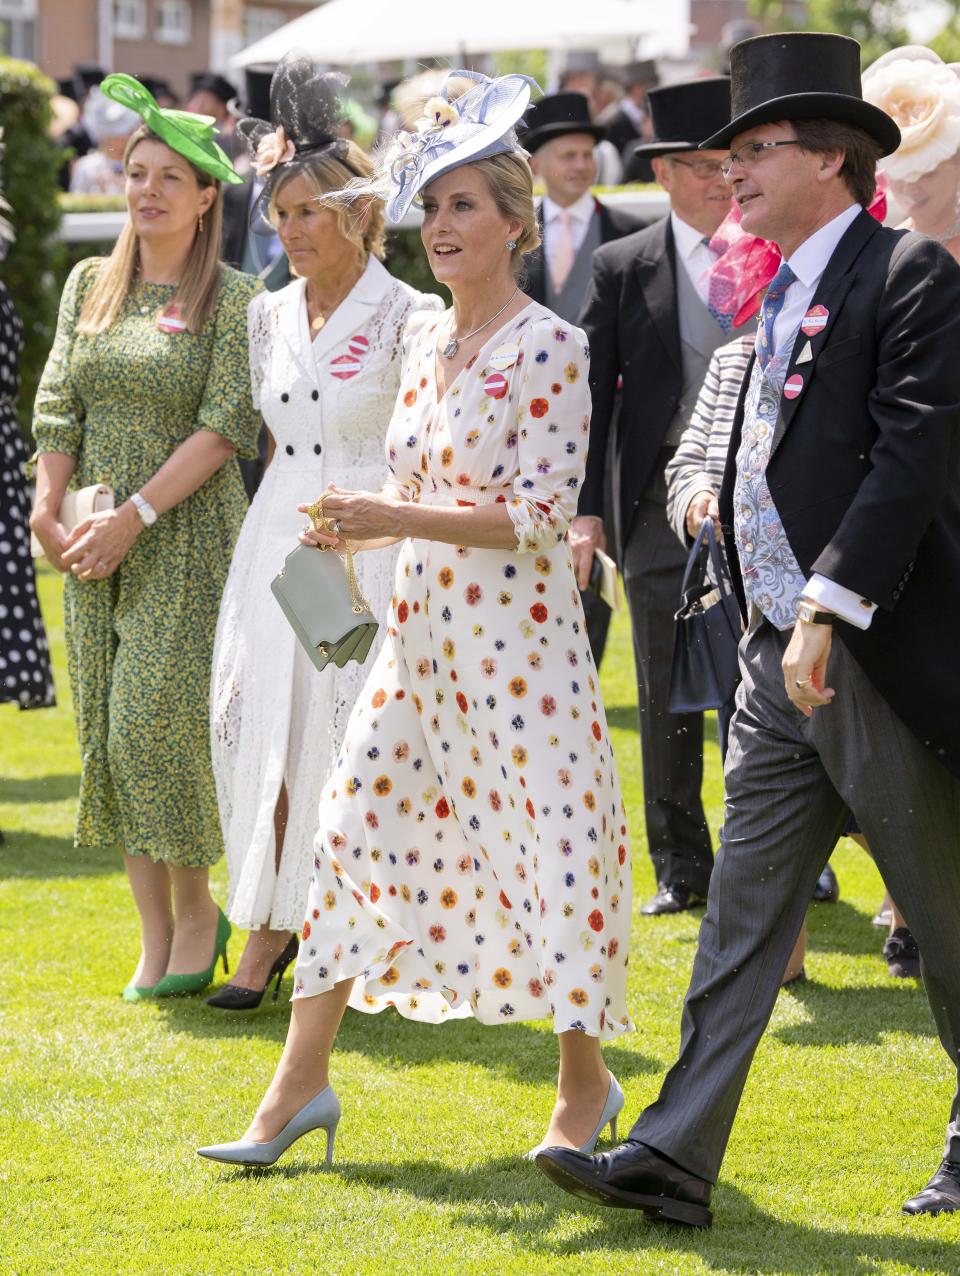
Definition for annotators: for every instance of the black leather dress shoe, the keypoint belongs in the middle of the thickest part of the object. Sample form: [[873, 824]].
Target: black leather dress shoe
[[902, 955], [670, 899], [827, 889], [634, 1177], [942, 1193]]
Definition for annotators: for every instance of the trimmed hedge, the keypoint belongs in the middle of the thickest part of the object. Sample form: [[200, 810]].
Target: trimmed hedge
[[33, 269]]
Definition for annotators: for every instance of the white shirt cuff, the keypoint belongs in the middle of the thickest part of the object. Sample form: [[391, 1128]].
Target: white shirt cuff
[[833, 597]]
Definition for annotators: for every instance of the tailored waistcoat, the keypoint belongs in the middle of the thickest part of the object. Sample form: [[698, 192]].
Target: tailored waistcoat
[[700, 335], [568, 302], [772, 579]]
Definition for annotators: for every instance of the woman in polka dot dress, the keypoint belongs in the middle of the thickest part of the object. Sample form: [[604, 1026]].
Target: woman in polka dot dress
[[25, 676], [472, 855]]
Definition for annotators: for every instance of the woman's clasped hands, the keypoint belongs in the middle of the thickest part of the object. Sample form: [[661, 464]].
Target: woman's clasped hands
[[97, 546], [351, 517]]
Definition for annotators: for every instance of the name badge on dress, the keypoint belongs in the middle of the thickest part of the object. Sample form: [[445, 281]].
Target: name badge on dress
[[170, 320]]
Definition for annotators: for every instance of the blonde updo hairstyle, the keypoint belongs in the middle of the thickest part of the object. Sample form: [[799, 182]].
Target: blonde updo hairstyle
[[511, 185], [360, 222]]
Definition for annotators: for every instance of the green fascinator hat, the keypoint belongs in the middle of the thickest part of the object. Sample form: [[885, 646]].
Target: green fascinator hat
[[191, 136]]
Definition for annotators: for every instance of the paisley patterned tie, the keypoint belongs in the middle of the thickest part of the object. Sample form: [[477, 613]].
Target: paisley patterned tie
[[773, 304]]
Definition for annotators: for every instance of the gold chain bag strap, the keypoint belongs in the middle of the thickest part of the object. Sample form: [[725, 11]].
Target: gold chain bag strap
[[322, 601]]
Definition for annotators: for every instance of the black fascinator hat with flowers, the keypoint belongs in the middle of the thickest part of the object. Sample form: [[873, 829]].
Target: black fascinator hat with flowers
[[305, 111]]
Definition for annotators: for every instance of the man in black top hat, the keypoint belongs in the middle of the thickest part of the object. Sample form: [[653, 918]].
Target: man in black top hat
[[628, 122], [560, 138], [211, 94], [840, 507], [647, 319]]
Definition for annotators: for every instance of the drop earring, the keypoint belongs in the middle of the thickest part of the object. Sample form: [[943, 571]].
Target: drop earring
[[511, 245], [200, 224]]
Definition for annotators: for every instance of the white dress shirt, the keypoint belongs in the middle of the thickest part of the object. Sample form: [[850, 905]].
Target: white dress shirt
[[579, 213], [692, 253], [808, 262]]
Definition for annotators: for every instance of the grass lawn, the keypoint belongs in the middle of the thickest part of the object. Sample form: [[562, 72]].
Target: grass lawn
[[102, 1103]]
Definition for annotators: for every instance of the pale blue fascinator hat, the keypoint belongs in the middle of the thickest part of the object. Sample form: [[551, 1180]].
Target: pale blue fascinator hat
[[455, 129]]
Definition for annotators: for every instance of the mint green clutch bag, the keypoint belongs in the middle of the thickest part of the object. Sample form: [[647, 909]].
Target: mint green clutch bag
[[323, 603]]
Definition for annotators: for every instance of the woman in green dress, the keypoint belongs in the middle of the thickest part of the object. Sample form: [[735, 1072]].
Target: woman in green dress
[[147, 390]]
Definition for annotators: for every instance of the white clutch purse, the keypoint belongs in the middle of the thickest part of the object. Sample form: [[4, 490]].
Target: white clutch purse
[[75, 507]]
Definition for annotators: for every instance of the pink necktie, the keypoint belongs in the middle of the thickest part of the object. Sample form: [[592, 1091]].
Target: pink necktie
[[563, 251]]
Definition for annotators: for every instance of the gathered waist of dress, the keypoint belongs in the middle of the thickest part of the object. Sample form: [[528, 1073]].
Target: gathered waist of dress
[[466, 495]]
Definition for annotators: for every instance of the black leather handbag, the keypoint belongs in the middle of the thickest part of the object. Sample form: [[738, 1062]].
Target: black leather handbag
[[705, 669]]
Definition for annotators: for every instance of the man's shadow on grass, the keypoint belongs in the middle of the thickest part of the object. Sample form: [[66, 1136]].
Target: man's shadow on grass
[[858, 1016], [508, 1195], [517, 1051], [33, 856]]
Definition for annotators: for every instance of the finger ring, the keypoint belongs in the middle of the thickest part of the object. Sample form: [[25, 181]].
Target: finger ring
[[307, 527], [336, 526], [803, 682], [102, 565]]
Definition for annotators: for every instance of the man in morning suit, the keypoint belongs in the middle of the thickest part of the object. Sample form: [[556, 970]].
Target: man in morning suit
[[560, 139], [648, 324], [840, 507]]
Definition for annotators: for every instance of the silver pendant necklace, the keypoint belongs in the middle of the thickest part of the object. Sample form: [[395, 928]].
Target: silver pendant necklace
[[453, 345]]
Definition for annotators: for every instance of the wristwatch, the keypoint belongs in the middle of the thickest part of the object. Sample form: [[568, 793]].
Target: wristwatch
[[811, 616], [148, 514]]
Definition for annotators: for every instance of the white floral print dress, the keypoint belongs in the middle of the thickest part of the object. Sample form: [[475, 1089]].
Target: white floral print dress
[[472, 855]]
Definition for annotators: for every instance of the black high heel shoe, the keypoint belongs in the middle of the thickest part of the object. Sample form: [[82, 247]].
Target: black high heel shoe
[[230, 997]]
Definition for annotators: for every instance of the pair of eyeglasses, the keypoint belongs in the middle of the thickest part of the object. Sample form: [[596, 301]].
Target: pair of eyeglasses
[[750, 154], [702, 168]]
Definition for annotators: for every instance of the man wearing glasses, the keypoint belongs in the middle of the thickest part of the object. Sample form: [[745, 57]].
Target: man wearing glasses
[[840, 508], [648, 324]]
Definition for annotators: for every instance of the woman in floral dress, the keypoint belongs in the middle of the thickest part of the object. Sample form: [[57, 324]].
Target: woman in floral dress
[[147, 390], [472, 856]]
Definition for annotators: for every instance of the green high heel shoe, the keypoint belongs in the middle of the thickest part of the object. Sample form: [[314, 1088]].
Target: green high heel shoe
[[134, 993], [184, 985]]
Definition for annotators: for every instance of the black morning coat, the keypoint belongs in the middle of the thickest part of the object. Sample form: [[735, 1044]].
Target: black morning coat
[[630, 318], [614, 223], [865, 467]]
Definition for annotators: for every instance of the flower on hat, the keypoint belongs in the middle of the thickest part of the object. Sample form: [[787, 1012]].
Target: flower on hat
[[922, 94], [273, 149], [438, 113]]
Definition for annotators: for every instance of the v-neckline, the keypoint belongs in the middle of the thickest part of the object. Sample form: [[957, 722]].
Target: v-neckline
[[438, 399]]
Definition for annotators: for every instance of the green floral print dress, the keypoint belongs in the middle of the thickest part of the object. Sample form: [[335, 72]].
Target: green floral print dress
[[140, 643]]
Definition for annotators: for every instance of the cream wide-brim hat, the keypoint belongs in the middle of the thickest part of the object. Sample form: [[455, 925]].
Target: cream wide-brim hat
[[922, 93]]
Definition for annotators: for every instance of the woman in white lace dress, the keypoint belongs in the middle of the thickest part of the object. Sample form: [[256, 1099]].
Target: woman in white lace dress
[[325, 366]]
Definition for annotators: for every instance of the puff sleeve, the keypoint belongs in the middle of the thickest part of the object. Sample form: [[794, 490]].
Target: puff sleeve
[[553, 428], [59, 410], [227, 406]]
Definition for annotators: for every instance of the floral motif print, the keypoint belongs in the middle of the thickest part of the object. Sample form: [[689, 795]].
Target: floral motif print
[[140, 643], [472, 837]]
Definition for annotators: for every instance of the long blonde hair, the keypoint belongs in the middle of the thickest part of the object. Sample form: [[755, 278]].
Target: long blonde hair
[[199, 286]]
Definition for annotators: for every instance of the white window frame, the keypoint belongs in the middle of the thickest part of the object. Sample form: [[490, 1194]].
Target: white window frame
[[130, 19], [174, 22], [260, 21], [18, 10]]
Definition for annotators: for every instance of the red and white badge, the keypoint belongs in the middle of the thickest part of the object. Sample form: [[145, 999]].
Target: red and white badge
[[359, 345], [345, 366], [793, 386], [814, 321], [495, 385], [170, 320]]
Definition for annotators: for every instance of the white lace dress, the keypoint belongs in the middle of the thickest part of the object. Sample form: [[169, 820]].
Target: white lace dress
[[274, 718]]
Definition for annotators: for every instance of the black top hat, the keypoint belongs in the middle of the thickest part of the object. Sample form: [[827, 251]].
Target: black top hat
[[86, 76], [555, 115], [158, 86], [800, 75], [684, 114], [256, 91], [211, 82]]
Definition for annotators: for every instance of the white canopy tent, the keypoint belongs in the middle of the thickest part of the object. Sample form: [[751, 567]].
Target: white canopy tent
[[345, 32]]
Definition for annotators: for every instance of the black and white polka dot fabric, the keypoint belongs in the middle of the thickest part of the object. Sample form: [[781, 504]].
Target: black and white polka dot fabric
[[25, 675]]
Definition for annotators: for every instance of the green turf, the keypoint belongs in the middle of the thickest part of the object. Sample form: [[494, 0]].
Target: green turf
[[102, 1103]]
